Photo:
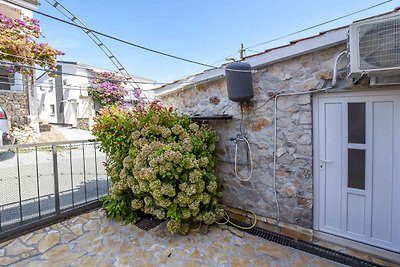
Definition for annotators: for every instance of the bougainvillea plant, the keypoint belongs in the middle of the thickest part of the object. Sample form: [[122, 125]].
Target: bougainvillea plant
[[18, 44], [107, 89], [160, 163]]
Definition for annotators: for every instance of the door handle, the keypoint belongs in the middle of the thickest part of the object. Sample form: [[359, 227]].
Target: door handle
[[326, 160]]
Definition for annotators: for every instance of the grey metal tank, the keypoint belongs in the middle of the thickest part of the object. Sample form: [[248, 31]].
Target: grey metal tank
[[239, 81]]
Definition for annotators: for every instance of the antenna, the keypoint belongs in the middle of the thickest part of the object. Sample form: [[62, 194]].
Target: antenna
[[242, 51]]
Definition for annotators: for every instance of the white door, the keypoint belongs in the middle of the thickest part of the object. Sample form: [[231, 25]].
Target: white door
[[71, 112], [358, 167]]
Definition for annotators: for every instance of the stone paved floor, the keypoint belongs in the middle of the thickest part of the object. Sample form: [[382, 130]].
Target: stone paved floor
[[94, 240]]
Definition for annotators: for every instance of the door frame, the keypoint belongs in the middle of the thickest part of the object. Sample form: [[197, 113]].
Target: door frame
[[367, 92]]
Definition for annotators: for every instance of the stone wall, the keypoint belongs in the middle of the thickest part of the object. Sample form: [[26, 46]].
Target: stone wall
[[294, 181], [16, 106], [83, 124]]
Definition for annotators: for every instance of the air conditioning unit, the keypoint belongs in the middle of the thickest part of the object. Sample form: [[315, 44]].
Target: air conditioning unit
[[374, 47]]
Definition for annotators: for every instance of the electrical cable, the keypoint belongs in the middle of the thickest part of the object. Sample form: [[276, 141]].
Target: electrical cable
[[207, 65], [121, 69], [216, 62], [113, 37], [253, 51], [122, 40], [320, 24], [305, 29], [296, 32], [270, 98], [69, 74], [22, 57], [65, 87], [184, 59], [335, 67], [85, 76], [275, 135]]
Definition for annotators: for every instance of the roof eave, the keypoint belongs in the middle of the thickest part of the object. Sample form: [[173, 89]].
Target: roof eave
[[323, 41], [30, 4], [94, 68], [306, 46]]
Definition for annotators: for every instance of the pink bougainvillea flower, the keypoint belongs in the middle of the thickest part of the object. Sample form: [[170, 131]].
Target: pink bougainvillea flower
[[18, 45], [11, 69]]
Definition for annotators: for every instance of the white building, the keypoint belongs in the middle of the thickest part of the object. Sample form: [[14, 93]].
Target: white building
[[64, 99], [17, 95]]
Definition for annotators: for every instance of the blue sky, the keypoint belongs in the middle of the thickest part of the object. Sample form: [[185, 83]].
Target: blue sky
[[205, 31]]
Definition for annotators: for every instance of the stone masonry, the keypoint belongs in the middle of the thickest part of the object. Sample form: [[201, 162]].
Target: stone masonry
[[83, 124], [93, 240], [16, 106], [294, 180]]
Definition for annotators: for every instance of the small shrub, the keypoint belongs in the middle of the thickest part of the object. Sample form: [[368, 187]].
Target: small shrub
[[160, 163], [118, 207], [107, 89]]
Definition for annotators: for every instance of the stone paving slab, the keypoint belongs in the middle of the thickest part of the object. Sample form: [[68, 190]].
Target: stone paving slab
[[93, 240]]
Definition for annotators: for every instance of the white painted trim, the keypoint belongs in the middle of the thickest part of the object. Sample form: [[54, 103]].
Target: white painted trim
[[190, 82], [367, 92], [382, 253], [329, 39], [315, 127]]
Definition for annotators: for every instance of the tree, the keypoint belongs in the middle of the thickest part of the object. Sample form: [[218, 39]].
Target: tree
[[18, 44], [107, 89]]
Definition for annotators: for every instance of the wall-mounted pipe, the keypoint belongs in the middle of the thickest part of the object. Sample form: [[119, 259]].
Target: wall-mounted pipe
[[275, 137], [335, 68]]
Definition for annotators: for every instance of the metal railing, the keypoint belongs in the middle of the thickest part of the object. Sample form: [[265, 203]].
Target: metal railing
[[47, 182]]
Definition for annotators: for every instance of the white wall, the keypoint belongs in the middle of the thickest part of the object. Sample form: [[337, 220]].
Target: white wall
[[45, 98], [77, 103], [9, 10]]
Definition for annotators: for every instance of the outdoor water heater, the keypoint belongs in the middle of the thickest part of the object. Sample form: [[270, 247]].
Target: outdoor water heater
[[239, 82]]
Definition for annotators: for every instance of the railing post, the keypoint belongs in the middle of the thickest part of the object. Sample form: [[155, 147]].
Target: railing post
[[19, 188], [84, 169], [95, 170], [56, 185], [37, 181]]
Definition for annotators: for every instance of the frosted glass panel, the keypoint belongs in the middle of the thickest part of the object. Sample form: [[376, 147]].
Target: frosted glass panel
[[356, 123], [356, 169]]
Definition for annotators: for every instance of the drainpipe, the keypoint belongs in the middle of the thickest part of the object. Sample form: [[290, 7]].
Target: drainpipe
[[335, 68], [275, 137]]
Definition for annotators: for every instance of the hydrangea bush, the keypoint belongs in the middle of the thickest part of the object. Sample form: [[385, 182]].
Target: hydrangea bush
[[107, 89], [18, 44], [162, 164]]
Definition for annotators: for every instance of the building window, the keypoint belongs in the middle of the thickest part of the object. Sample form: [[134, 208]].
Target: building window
[[10, 81], [51, 86], [52, 110], [5, 81]]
